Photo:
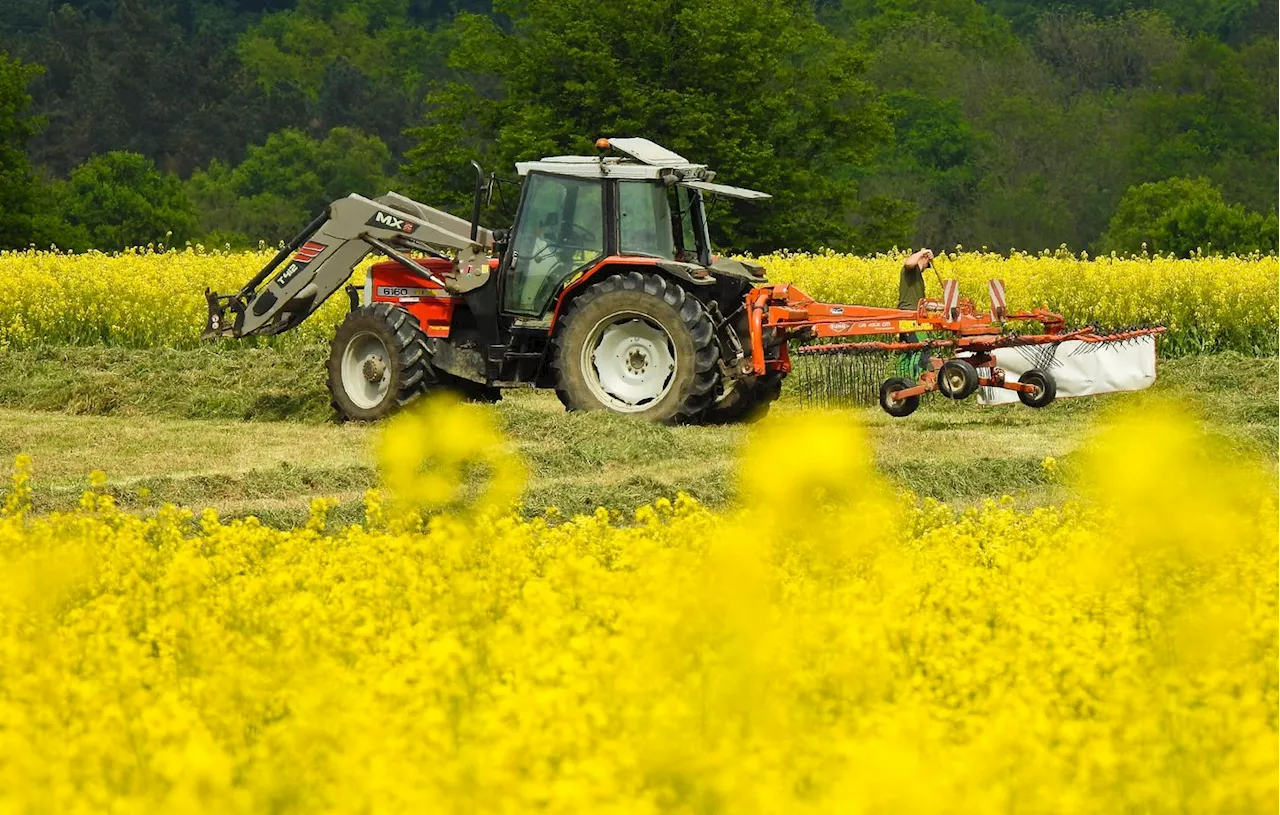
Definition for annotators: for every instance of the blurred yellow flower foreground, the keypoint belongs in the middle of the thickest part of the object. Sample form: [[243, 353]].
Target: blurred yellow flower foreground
[[828, 647]]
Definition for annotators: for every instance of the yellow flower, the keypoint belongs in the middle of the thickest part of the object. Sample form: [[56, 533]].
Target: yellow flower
[[825, 647], [1049, 466]]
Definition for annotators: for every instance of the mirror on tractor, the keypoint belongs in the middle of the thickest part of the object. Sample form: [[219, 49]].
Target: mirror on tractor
[[505, 208]]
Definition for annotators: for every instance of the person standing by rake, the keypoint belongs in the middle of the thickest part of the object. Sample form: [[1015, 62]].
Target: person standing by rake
[[910, 293]]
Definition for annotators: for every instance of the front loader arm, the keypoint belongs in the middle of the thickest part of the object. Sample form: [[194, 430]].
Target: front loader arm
[[316, 263]]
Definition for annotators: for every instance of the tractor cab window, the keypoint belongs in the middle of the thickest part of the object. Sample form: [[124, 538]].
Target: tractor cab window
[[644, 220], [559, 230], [694, 243], [655, 220]]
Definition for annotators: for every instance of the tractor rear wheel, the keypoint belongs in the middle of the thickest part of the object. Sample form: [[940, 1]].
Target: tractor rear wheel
[[640, 345], [377, 363]]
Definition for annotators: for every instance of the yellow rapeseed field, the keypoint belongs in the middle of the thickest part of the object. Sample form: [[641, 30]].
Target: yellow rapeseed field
[[135, 299], [827, 647], [1209, 304], [145, 299]]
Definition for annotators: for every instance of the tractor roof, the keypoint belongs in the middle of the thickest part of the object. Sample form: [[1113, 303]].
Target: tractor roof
[[641, 159]]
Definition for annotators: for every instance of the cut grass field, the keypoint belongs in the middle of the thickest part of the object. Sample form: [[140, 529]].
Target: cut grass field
[[249, 431]]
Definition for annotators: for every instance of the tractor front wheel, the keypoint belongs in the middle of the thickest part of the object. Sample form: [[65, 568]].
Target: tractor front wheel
[[640, 345], [377, 363]]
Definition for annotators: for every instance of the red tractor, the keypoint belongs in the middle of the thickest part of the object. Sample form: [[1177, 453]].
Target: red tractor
[[604, 289]]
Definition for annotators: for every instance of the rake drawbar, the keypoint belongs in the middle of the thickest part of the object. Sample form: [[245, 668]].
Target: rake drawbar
[[966, 338]]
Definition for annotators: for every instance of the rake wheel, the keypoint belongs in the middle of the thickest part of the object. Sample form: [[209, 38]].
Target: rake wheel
[[957, 379], [1046, 388], [898, 408]]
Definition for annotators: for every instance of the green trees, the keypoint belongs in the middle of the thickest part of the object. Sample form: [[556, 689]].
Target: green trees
[[928, 167], [759, 91], [143, 77], [999, 123], [25, 215], [284, 182], [1230, 20], [1183, 215], [118, 200], [348, 64]]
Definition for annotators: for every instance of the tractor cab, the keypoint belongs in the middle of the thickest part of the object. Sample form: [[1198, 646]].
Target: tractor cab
[[577, 212]]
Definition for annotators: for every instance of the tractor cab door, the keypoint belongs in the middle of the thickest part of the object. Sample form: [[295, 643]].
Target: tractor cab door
[[559, 231]]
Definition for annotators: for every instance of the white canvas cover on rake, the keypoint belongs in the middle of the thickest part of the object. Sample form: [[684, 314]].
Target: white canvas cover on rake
[[1080, 368]]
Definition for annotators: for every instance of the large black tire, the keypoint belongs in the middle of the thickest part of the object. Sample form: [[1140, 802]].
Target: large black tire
[[382, 341], [684, 375]]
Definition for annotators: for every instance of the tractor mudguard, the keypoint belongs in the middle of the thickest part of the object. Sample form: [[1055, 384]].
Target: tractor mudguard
[[748, 272], [687, 272], [682, 273]]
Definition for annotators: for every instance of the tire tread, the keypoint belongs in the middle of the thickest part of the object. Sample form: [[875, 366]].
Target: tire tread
[[689, 310], [409, 351]]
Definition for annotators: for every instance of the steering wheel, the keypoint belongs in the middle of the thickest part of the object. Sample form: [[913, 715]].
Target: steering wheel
[[555, 245], [584, 236]]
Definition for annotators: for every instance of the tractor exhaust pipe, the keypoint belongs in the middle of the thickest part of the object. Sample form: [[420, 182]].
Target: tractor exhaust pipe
[[475, 205]]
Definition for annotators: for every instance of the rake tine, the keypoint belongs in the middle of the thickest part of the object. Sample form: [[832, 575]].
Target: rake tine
[[841, 378]]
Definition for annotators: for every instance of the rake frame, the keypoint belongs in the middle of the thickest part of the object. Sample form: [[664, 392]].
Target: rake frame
[[975, 334]]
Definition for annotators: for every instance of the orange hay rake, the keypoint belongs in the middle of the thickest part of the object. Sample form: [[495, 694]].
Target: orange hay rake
[[967, 337]]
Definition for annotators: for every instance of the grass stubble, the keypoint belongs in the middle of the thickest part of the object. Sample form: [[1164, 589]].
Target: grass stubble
[[250, 430]]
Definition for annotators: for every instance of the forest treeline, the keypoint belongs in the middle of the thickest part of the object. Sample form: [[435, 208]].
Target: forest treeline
[[1102, 125]]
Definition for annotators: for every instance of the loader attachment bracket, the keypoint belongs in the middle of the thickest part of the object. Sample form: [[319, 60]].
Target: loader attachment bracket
[[217, 323]]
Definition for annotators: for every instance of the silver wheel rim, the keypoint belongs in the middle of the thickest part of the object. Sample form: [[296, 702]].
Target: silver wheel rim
[[629, 362], [955, 381], [366, 370]]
